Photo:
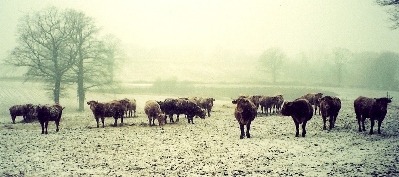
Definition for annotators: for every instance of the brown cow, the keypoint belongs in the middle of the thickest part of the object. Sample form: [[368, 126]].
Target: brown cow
[[373, 108], [314, 99], [112, 109], [301, 112], [245, 113], [329, 107]]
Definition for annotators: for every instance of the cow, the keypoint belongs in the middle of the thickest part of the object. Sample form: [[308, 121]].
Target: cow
[[314, 99], [169, 107], [373, 108], [190, 109], [111, 109], [266, 104], [329, 107], [130, 105], [46, 113], [301, 112], [245, 112], [207, 104], [153, 111], [278, 102], [21, 110]]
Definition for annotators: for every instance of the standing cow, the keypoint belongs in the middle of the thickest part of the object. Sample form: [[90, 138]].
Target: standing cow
[[329, 107], [373, 108], [46, 113], [301, 112], [314, 99], [245, 113]]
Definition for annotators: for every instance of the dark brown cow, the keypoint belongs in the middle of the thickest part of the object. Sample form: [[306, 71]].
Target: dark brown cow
[[314, 99], [112, 109], [301, 112], [373, 108], [21, 110], [329, 107], [46, 113], [245, 112], [190, 109]]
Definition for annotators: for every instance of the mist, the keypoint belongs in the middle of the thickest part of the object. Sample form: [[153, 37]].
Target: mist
[[186, 43]]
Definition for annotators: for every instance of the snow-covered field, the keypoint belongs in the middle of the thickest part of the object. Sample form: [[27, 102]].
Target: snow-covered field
[[210, 147]]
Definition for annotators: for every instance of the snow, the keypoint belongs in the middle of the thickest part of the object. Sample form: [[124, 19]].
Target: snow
[[210, 147]]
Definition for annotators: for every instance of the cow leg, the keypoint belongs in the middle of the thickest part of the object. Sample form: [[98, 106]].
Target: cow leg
[[209, 112], [13, 119], [134, 113], [102, 120], [42, 125], [171, 118], [242, 131], [97, 120], [57, 123], [115, 122], [324, 122], [303, 129], [315, 109], [331, 122], [45, 126], [359, 119], [371, 126], [297, 128], [122, 120], [149, 120], [248, 128], [363, 127], [379, 126]]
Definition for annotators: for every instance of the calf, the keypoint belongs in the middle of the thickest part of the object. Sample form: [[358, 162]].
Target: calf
[[313, 99], [329, 107], [46, 113], [301, 112], [245, 113], [278, 102], [373, 108], [112, 109]]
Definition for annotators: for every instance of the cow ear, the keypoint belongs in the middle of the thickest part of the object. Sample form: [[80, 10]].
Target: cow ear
[[234, 101]]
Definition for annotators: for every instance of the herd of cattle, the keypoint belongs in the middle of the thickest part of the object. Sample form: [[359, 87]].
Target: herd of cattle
[[301, 110]]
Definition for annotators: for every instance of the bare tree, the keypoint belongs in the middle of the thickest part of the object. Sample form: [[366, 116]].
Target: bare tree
[[393, 11], [272, 61], [43, 47], [341, 56]]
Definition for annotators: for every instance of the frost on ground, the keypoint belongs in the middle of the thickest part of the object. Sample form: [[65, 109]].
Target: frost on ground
[[210, 147]]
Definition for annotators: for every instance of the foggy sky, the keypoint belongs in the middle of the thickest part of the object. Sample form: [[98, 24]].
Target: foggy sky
[[199, 28]]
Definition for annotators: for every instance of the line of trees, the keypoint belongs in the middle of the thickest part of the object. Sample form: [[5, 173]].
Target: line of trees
[[337, 67], [63, 47]]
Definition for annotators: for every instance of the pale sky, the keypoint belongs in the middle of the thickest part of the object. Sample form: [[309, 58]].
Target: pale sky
[[237, 26]]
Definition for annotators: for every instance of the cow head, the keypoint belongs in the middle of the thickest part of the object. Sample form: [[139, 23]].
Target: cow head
[[382, 103], [287, 108], [161, 119]]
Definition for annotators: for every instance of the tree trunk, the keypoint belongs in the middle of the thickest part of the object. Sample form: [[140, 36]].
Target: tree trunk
[[81, 90], [57, 88]]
